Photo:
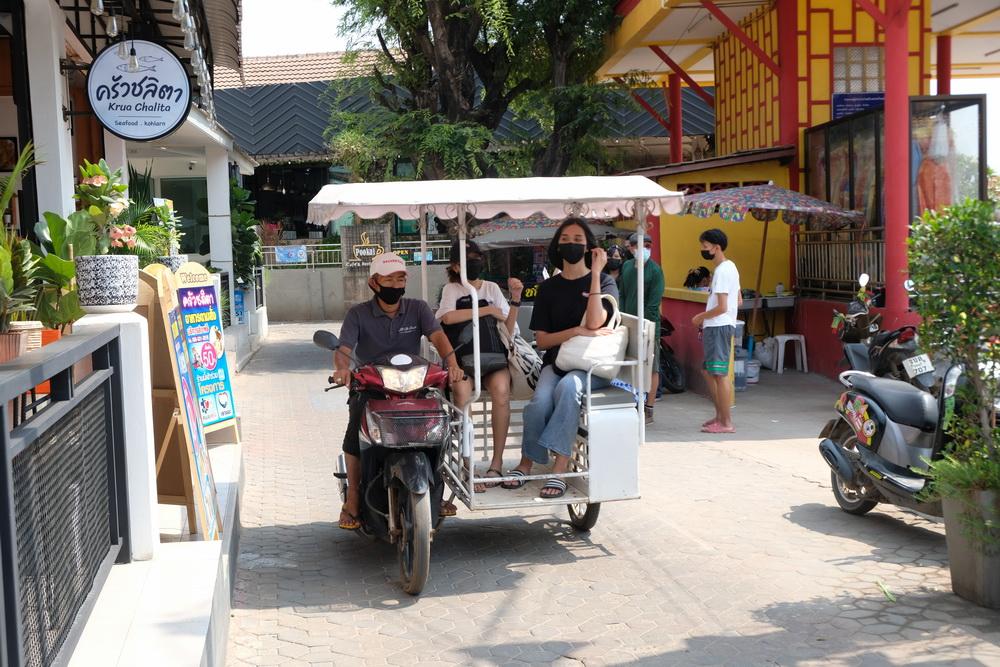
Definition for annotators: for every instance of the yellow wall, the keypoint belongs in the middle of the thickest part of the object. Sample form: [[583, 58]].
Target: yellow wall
[[679, 249]]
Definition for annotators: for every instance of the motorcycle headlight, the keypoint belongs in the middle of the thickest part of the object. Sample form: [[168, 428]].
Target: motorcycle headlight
[[400, 381]]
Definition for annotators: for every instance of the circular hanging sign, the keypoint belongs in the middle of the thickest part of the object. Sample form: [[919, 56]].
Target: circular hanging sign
[[145, 104]]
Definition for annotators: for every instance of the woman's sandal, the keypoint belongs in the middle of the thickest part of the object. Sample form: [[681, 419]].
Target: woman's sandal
[[554, 484], [492, 485], [350, 523], [513, 484]]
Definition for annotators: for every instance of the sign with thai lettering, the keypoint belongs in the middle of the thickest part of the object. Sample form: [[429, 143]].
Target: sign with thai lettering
[[844, 104], [203, 332], [141, 97]]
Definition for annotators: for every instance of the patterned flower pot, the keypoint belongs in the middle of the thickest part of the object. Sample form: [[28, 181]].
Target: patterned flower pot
[[108, 283], [173, 262], [12, 345]]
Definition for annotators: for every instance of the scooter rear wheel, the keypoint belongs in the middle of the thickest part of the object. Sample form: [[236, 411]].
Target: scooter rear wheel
[[415, 541], [671, 373], [583, 516], [849, 499]]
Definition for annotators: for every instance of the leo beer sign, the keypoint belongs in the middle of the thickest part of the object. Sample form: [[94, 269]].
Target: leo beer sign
[[140, 99]]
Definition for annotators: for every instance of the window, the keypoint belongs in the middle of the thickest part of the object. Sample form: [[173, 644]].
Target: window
[[190, 197], [858, 69]]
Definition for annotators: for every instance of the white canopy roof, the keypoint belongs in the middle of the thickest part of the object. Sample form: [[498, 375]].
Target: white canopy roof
[[554, 197]]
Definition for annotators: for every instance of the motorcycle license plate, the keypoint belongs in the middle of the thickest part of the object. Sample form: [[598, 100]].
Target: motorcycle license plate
[[918, 365]]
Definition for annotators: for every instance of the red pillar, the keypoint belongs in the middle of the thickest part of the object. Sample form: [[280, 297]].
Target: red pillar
[[897, 156], [788, 81], [676, 119], [944, 65]]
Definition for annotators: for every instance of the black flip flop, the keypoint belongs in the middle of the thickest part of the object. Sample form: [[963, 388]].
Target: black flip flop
[[511, 485], [556, 484], [492, 485]]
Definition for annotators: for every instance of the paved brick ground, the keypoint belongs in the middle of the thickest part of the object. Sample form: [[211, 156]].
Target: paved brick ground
[[736, 554]]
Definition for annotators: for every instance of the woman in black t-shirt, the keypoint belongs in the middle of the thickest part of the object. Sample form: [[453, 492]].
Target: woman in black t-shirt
[[564, 301]]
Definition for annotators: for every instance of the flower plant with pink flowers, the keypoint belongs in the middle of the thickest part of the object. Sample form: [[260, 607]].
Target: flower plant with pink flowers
[[103, 195]]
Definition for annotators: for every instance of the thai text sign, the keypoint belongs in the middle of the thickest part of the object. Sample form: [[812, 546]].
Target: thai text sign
[[144, 104], [202, 321]]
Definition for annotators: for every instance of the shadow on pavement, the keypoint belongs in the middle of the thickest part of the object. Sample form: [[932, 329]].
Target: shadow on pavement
[[885, 533], [320, 568]]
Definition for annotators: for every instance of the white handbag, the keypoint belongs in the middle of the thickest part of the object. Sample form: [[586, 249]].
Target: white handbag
[[524, 363], [581, 353]]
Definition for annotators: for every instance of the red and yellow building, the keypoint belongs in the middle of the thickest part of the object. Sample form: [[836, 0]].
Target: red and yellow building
[[775, 71]]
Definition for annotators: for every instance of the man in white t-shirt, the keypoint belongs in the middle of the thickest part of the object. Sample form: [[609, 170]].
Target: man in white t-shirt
[[718, 324]]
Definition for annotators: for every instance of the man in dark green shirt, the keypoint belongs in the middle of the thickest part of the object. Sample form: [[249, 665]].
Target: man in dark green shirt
[[629, 290]]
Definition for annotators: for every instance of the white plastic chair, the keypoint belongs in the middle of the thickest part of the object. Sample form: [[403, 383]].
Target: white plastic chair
[[801, 362]]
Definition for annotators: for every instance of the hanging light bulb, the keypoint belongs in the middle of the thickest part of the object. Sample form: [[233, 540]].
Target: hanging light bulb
[[122, 50], [188, 23], [196, 61], [189, 41], [133, 61], [96, 7], [179, 10], [113, 26]]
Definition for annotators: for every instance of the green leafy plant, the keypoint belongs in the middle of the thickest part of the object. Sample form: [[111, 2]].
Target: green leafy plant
[[59, 241], [18, 285], [954, 263], [247, 251]]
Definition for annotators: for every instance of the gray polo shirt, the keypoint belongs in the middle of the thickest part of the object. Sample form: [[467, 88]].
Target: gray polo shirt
[[372, 334]]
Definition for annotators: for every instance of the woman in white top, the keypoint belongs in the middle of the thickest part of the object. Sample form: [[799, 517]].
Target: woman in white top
[[497, 382]]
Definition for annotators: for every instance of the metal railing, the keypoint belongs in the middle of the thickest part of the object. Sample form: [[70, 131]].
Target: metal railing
[[311, 256], [63, 514], [828, 263]]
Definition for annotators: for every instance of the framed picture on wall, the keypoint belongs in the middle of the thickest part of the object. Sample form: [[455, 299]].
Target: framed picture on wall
[[8, 153]]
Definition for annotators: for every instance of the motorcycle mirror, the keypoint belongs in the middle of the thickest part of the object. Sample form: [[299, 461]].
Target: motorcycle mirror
[[326, 340], [864, 279], [908, 285]]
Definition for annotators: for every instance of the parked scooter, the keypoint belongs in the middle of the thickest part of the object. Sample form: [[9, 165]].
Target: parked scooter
[[879, 445], [892, 354], [404, 429], [671, 372]]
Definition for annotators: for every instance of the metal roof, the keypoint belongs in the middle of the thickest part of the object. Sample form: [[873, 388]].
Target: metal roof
[[288, 120]]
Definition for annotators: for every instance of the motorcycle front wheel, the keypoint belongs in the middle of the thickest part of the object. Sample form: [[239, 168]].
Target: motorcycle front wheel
[[415, 541], [671, 373], [848, 498]]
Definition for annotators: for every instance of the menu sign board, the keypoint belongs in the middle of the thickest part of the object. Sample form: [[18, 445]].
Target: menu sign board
[[202, 322], [142, 97]]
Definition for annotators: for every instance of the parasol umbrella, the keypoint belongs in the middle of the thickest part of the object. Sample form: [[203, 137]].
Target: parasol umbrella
[[764, 203]]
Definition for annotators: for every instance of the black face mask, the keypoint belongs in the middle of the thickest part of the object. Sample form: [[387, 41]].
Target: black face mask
[[390, 295], [614, 264], [474, 268], [572, 252], [708, 255]]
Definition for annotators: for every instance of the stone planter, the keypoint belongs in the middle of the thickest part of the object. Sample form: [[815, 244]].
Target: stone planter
[[975, 575], [108, 283], [12, 345], [173, 262]]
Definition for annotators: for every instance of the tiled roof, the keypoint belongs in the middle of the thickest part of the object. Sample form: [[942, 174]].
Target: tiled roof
[[288, 120], [301, 68]]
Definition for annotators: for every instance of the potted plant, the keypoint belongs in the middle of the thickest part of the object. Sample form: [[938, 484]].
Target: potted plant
[[107, 275], [954, 263], [58, 239]]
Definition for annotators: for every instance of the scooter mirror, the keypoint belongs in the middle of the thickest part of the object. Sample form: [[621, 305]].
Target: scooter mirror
[[326, 340], [863, 279], [908, 285]]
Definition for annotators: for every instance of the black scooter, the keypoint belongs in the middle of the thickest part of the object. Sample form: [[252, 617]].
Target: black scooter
[[879, 444]]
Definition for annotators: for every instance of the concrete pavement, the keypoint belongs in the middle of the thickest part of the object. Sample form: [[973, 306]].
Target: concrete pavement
[[736, 553]]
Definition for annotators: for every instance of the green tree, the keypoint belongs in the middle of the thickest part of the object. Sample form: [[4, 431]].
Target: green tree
[[451, 69]]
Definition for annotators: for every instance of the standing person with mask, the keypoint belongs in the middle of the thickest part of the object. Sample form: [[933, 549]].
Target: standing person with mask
[[653, 286], [718, 324], [388, 324], [456, 308], [616, 258], [565, 300]]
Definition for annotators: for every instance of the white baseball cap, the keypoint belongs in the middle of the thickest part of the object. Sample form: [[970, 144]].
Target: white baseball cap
[[387, 264]]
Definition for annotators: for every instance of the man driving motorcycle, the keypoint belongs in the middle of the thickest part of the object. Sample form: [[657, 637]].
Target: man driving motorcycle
[[388, 324]]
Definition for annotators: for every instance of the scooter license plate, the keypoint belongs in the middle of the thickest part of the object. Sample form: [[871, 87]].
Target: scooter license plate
[[918, 365]]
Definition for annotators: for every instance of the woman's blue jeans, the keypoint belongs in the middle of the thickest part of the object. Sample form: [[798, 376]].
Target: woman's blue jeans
[[552, 417]]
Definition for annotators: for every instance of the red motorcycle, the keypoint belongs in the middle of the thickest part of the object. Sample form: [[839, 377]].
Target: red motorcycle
[[404, 429]]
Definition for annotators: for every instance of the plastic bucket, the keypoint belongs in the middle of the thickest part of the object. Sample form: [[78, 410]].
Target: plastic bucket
[[753, 371], [740, 369]]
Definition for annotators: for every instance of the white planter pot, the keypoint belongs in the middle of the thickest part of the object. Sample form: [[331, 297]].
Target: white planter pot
[[108, 283]]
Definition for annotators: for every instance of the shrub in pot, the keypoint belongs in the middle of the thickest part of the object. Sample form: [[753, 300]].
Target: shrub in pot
[[18, 285], [954, 264]]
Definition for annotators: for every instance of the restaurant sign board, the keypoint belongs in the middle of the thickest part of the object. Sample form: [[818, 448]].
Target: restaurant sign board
[[145, 104]]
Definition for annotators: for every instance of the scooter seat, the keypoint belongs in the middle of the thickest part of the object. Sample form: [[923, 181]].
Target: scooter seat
[[902, 402]]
